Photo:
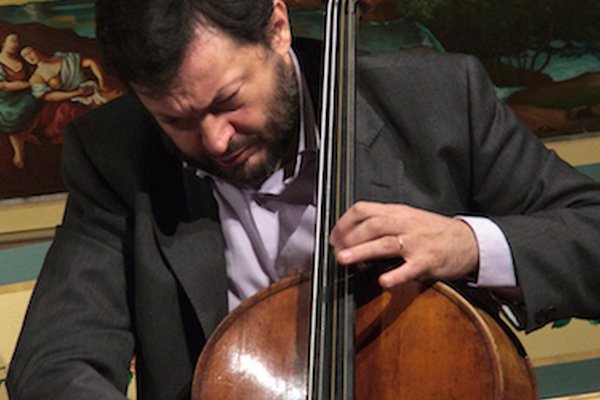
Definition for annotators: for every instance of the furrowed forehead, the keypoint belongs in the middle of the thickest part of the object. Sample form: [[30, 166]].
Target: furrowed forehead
[[214, 67]]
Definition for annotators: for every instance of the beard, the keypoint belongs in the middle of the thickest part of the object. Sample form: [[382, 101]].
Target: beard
[[276, 139]]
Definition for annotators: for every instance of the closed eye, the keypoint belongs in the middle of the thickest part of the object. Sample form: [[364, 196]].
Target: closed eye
[[230, 103], [177, 123]]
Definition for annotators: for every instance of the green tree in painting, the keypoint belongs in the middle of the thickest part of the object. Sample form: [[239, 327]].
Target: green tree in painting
[[528, 33]]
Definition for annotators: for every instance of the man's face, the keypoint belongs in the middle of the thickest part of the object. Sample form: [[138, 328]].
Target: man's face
[[233, 110]]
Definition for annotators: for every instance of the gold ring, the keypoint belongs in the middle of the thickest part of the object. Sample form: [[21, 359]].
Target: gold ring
[[400, 243]]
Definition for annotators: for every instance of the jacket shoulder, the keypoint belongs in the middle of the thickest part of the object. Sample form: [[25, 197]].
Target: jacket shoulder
[[416, 58], [125, 113], [122, 146]]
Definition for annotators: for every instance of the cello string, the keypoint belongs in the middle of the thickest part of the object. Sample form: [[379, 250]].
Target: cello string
[[336, 378], [332, 318], [350, 138], [339, 358], [318, 339]]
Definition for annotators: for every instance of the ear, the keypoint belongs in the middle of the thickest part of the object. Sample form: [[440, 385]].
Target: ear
[[281, 34]]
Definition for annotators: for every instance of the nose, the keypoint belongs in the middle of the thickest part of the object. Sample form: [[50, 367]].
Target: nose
[[216, 133]]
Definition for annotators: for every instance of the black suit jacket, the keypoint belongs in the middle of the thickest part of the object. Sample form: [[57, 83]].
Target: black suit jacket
[[137, 266]]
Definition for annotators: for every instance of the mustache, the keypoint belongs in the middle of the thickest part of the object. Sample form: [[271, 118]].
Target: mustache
[[240, 143]]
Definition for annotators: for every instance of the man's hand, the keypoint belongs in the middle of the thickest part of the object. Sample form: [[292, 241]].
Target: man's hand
[[434, 247]]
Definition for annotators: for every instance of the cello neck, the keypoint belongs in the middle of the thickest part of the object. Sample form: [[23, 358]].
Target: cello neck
[[331, 355]]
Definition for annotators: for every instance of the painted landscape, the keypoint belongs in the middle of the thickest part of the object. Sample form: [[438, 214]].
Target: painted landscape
[[543, 56]]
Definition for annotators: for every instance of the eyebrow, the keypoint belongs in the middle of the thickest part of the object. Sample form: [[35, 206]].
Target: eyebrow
[[224, 94], [228, 91], [225, 99]]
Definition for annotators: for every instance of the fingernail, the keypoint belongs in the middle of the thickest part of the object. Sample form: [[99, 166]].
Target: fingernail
[[345, 256], [383, 281]]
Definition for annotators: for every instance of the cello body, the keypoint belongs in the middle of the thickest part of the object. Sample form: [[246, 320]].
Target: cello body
[[415, 341]]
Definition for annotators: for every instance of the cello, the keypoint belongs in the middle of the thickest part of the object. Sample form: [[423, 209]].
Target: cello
[[334, 333]]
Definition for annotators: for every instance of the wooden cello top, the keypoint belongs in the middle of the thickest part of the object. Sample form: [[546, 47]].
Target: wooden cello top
[[415, 341]]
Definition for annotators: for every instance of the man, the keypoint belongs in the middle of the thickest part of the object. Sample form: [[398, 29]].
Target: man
[[195, 192]]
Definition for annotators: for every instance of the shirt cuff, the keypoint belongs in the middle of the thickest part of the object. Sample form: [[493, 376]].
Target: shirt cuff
[[496, 267]]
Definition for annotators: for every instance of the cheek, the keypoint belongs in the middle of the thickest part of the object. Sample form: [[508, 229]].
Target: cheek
[[249, 120], [253, 116]]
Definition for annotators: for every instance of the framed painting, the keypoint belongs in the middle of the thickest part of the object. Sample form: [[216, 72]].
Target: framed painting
[[543, 56], [50, 73]]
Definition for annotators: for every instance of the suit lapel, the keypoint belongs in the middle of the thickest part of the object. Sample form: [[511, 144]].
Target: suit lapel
[[379, 168], [194, 250]]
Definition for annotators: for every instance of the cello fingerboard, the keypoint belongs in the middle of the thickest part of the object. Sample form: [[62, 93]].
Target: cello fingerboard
[[331, 355]]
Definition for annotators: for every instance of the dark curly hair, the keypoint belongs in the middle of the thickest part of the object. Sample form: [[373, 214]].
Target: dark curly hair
[[144, 41]]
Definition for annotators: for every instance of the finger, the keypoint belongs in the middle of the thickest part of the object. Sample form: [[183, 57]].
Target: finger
[[389, 246], [372, 228], [355, 215], [405, 273]]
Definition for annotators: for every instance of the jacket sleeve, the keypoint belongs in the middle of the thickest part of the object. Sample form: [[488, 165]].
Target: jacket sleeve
[[549, 212], [77, 340]]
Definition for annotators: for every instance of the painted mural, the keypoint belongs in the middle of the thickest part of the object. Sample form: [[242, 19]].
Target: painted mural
[[50, 73]]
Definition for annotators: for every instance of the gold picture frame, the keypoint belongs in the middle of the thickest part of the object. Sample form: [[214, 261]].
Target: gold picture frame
[[30, 220]]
